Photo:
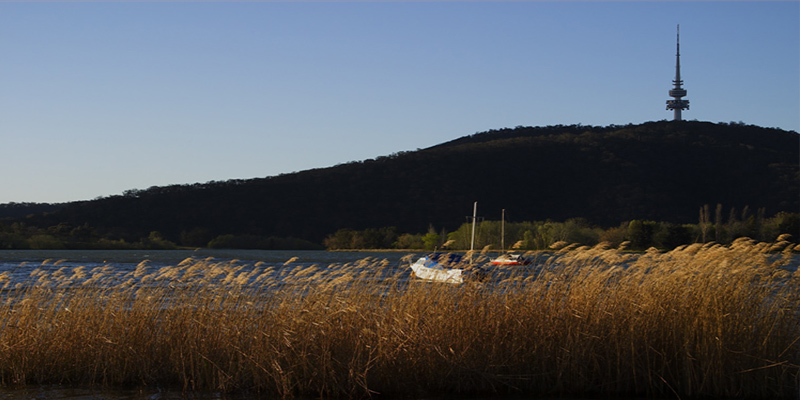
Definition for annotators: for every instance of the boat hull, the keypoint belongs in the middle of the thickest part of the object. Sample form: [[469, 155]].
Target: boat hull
[[507, 263], [428, 269], [511, 259]]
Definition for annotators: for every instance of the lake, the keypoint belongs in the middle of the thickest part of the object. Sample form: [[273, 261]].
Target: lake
[[708, 267], [27, 260], [21, 263]]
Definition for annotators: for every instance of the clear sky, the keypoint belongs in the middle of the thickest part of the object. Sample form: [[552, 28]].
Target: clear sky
[[100, 97]]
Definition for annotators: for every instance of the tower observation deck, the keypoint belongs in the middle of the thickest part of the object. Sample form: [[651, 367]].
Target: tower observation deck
[[678, 104]]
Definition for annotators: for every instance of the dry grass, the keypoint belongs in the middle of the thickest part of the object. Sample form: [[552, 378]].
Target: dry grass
[[697, 321]]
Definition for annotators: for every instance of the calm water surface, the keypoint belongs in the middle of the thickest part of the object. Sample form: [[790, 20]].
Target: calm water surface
[[21, 263], [123, 259]]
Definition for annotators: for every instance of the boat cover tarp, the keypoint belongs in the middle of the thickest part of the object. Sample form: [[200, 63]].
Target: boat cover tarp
[[447, 258]]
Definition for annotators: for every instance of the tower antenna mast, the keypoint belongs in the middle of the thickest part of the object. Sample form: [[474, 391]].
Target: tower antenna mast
[[677, 92]]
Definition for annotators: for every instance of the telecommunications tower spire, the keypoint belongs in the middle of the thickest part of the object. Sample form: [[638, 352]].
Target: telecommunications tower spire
[[678, 92]]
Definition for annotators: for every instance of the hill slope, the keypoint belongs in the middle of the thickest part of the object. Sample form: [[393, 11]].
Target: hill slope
[[659, 170]]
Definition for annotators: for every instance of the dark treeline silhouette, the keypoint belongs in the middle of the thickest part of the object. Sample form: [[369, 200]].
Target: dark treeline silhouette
[[656, 171], [724, 228]]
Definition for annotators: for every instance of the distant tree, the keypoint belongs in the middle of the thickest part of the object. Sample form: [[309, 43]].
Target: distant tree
[[782, 223], [45, 242], [341, 239], [156, 241], [222, 242], [528, 240], [704, 223], [10, 241], [83, 233], [615, 235], [789, 223], [671, 235], [229, 241], [461, 237], [60, 231], [197, 237], [641, 234], [409, 241], [431, 240], [718, 223], [578, 230], [381, 238], [549, 233]]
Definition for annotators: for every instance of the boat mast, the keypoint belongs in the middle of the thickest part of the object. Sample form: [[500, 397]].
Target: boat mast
[[503, 232], [474, 217]]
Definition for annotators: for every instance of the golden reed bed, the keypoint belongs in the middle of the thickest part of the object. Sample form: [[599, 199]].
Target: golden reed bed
[[702, 320]]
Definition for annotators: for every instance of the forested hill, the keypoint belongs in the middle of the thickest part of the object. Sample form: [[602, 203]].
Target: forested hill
[[663, 171]]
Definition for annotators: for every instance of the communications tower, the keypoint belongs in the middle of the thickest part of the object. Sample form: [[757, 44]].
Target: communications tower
[[677, 92]]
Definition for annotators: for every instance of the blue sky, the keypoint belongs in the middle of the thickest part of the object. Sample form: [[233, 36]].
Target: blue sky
[[100, 97]]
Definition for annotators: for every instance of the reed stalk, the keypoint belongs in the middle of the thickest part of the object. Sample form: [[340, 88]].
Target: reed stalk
[[698, 321]]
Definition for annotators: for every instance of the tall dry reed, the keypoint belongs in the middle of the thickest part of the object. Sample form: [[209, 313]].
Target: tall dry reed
[[701, 320]]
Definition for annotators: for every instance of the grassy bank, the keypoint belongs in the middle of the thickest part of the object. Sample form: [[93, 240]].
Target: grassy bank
[[697, 321]]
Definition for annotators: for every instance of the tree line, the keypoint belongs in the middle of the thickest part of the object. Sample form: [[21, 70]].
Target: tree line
[[63, 236], [712, 225], [19, 236]]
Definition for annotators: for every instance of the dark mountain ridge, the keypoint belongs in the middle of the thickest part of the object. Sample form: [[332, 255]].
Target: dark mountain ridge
[[662, 171]]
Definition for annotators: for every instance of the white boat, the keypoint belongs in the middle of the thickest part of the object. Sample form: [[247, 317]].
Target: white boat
[[449, 267], [434, 268]]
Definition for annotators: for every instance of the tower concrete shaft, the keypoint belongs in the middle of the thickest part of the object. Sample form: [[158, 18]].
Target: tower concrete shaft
[[678, 104]]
